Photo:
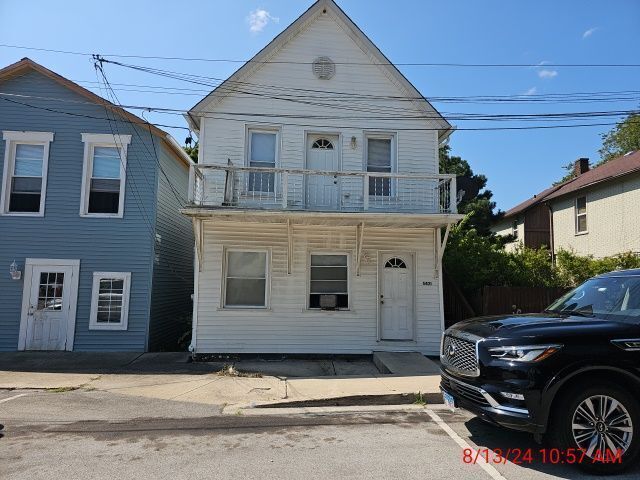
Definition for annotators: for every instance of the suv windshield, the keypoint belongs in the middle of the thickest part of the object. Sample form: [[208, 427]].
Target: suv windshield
[[611, 298]]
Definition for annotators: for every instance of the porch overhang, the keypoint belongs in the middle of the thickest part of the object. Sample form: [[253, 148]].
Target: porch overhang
[[370, 219]]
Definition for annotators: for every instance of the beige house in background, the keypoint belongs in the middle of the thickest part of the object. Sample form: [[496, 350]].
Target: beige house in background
[[595, 213]]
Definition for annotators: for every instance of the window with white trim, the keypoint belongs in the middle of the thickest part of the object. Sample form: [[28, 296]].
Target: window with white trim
[[581, 214], [104, 174], [246, 279], [110, 301], [262, 152], [24, 179], [514, 229], [379, 159], [329, 281]]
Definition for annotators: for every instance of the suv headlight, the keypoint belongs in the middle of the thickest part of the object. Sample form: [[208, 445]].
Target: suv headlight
[[525, 353]]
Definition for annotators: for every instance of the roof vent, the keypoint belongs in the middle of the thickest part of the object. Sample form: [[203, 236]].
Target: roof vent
[[324, 68]]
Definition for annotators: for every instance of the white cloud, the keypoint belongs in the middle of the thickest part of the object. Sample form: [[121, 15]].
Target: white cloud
[[589, 32], [547, 73], [531, 91], [259, 18]]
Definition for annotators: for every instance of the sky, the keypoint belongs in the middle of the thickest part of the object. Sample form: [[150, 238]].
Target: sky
[[518, 163]]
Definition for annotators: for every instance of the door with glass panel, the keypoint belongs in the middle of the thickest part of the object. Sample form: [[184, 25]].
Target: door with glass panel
[[51, 294], [379, 160], [322, 190], [396, 287]]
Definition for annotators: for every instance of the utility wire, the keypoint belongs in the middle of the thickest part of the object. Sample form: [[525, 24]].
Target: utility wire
[[534, 127], [419, 64], [460, 116]]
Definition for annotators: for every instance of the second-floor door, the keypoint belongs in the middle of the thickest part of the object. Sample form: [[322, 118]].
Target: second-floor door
[[322, 190]]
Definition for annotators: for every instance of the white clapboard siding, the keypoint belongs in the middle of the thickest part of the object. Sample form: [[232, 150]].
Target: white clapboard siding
[[223, 138], [288, 327]]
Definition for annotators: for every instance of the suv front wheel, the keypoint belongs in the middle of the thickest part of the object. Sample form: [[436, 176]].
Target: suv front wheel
[[603, 423]]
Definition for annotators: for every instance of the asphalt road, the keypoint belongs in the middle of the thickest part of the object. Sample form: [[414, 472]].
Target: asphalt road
[[103, 435]]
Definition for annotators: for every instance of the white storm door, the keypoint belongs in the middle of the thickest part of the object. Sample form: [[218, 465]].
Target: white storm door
[[49, 314], [322, 190], [396, 297]]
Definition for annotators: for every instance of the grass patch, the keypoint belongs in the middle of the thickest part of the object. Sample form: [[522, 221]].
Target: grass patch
[[419, 399]]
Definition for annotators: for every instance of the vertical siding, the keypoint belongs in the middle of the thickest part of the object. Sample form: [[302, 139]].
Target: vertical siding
[[288, 327], [100, 244], [171, 305], [612, 219]]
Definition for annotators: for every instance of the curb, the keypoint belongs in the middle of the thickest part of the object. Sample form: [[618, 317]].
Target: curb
[[397, 399], [238, 410]]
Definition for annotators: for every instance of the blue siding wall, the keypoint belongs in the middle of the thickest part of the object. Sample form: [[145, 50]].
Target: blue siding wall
[[171, 306], [121, 245]]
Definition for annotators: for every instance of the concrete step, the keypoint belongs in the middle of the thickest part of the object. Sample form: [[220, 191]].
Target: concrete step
[[405, 363]]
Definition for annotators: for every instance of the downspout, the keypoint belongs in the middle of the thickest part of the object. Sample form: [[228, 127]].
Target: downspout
[[551, 242]]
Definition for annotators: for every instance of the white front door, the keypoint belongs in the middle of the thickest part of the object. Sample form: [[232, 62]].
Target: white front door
[[396, 296], [322, 190], [49, 304]]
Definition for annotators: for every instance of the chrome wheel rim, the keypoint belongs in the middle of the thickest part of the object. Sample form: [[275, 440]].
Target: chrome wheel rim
[[601, 426]]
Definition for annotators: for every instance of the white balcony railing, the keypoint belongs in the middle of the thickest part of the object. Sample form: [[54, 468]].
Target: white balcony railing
[[313, 190]]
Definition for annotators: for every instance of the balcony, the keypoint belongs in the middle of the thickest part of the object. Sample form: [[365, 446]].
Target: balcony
[[290, 189]]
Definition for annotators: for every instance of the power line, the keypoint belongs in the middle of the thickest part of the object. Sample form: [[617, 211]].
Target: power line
[[413, 64], [530, 127], [460, 116]]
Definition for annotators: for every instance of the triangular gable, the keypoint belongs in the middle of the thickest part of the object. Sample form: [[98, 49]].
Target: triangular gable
[[359, 38], [27, 65]]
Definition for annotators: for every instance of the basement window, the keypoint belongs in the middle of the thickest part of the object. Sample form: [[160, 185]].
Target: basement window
[[329, 282]]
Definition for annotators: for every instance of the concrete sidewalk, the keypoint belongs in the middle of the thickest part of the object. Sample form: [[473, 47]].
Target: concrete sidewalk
[[137, 375]]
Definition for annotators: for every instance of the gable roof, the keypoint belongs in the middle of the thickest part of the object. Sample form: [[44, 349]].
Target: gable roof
[[27, 65], [359, 37], [617, 167], [536, 199]]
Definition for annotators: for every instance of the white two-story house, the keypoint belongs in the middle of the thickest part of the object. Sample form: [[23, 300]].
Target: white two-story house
[[320, 216]]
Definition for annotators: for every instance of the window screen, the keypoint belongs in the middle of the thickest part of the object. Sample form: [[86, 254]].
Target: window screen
[[262, 153], [110, 300], [329, 276], [246, 280], [379, 160]]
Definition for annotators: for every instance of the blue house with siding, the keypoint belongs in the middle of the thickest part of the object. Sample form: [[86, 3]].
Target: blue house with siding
[[95, 253]]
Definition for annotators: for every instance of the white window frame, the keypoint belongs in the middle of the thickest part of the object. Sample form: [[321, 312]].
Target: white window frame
[[382, 135], [247, 157], [577, 215], [12, 139], [124, 319], [267, 287], [514, 229], [308, 291], [92, 140]]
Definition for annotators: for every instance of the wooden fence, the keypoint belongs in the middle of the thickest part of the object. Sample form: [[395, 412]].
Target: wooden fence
[[495, 301]]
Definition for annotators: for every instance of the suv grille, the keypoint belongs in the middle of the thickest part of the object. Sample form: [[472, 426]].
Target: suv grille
[[460, 355]]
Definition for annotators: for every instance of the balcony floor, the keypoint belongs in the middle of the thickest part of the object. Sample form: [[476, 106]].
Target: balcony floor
[[335, 218]]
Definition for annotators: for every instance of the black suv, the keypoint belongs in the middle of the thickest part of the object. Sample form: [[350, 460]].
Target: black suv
[[571, 373]]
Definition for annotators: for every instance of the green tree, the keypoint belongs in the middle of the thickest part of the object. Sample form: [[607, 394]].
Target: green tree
[[623, 138], [192, 151], [477, 204]]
